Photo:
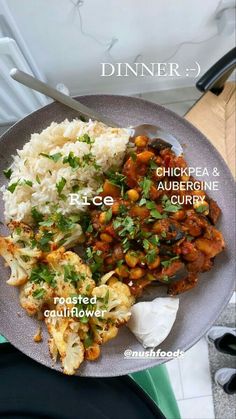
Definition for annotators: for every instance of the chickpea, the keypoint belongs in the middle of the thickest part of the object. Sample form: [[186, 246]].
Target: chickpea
[[115, 208], [141, 141], [199, 193], [131, 259], [133, 195], [137, 273], [158, 227], [92, 352], [113, 280], [158, 160], [178, 215], [185, 178], [150, 277], [204, 205], [106, 238], [122, 271], [155, 263], [145, 156], [102, 218]]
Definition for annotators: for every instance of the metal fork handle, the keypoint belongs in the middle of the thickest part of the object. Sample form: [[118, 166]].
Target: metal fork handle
[[41, 87]]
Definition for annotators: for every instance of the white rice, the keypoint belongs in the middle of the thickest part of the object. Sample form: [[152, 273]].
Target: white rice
[[108, 150]]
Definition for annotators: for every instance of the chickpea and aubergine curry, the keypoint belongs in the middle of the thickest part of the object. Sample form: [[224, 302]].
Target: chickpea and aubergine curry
[[143, 236], [142, 239]]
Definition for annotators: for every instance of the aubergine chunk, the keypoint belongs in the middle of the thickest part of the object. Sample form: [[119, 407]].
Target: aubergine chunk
[[183, 285], [214, 211], [158, 144]]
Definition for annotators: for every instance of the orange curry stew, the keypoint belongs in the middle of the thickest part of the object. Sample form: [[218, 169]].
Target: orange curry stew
[[143, 236]]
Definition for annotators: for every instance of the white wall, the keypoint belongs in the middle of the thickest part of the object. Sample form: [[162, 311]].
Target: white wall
[[152, 28]]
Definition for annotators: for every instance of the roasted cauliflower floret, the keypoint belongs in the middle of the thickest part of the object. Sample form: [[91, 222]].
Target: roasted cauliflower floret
[[19, 258], [92, 352], [103, 330], [34, 296], [73, 276], [116, 299], [61, 231], [74, 354], [66, 342], [68, 240], [20, 232]]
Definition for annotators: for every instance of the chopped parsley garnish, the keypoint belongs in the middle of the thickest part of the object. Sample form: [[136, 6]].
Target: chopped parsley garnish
[[70, 275], [39, 293], [123, 209], [119, 263], [54, 157], [13, 186], [38, 179], [150, 204], [151, 256], [76, 188], [126, 244], [62, 222], [154, 240], [146, 244], [116, 178], [142, 202], [85, 139], [167, 263], [108, 215], [43, 242], [7, 173], [95, 261], [153, 165], [60, 185], [27, 182], [168, 206], [145, 185], [72, 160], [127, 224], [36, 215], [156, 214], [201, 208], [106, 298], [133, 155], [90, 228], [23, 182], [47, 223], [75, 161], [42, 273], [88, 341]]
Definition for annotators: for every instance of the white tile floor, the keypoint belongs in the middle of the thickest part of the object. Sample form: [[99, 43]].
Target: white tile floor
[[178, 100], [191, 381]]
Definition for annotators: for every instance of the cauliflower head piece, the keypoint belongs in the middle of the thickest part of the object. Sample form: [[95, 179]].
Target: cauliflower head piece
[[65, 341], [33, 297], [72, 275], [116, 300], [19, 256]]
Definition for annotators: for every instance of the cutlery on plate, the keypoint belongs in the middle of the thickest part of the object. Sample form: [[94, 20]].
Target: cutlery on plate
[[159, 138]]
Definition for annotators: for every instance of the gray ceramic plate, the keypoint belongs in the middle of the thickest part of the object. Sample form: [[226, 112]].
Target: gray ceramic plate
[[199, 308]]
